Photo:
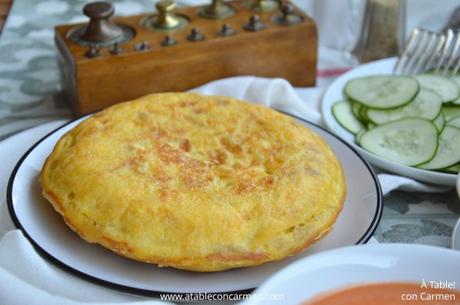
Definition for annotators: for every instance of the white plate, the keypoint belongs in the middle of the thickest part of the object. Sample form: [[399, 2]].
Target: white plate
[[334, 93], [47, 231], [376, 263]]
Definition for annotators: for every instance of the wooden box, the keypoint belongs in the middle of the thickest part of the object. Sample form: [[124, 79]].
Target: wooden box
[[90, 84]]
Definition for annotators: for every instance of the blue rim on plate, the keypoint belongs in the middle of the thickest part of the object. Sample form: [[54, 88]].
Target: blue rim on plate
[[153, 293]]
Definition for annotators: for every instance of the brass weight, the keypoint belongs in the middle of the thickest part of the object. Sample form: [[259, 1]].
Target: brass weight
[[264, 5], [166, 19], [217, 10]]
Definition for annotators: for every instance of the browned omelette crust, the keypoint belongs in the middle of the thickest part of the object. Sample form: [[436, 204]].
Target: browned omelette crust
[[195, 182]]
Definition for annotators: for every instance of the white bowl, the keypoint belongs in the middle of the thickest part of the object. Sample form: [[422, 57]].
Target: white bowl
[[377, 263]]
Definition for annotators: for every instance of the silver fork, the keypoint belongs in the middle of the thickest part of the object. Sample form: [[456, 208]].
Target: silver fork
[[430, 51]]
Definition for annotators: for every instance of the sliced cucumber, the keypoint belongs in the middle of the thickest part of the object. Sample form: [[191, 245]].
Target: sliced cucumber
[[410, 141], [453, 169], [370, 125], [442, 85], [456, 102], [456, 79], [383, 91], [427, 104], [363, 114], [358, 111], [448, 152], [454, 122], [344, 115], [356, 108], [450, 112], [359, 136], [440, 122]]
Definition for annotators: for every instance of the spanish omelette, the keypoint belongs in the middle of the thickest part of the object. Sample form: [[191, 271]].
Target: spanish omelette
[[201, 183]]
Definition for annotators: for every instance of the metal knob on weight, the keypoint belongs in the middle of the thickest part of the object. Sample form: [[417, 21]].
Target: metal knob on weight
[[166, 19], [169, 41], [264, 5], [217, 10], [288, 16], [226, 30], [195, 35], [254, 24], [100, 30]]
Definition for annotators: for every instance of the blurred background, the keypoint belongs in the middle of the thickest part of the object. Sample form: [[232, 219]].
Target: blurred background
[[350, 31]]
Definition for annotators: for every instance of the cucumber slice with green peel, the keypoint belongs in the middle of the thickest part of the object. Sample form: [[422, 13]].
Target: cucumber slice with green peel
[[453, 169], [456, 79], [448, 152], [427, 104], [359, 135], [363, 114], [454, 122], [382, 91], [409, 141], [440, 122], [370, 125], [450, 112], [355, 108], [442, 85], [344, 115], [359, 111], [456, 102]]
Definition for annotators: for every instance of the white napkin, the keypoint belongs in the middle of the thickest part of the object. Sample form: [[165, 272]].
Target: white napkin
[[275, 93], [27, 278]]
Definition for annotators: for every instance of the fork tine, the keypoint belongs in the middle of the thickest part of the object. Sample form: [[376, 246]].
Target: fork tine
[[401, 64], [453, 53], [425, 52], [456, 67], [445, 50], [418, 48], [437, 49]]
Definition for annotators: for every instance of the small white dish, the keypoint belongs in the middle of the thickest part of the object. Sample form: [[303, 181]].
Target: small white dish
[[377, 263], [48, 233], [334, 93]]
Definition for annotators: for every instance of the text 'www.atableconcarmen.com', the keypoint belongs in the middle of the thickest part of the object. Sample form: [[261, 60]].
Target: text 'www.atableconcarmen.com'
[[202, 297]]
